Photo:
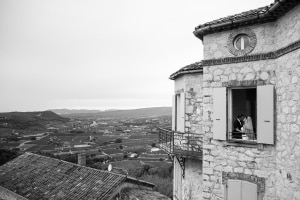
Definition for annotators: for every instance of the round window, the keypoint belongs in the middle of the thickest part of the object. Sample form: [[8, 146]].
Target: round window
[[241, 42]]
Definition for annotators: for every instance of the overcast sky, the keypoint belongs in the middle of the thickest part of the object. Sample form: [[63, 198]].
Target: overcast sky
[[100, 54]]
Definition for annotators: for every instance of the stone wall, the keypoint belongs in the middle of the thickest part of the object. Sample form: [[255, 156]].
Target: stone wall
[[218, 158], [277, 164], [191, 84], [270, 36], [287, 28], [215, 45], [277, 167], [192, 182], [288, 126]]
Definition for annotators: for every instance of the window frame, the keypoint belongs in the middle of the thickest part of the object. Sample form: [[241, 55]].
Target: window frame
[[178, 112], [229, 115], [266, 114], [243, 38]]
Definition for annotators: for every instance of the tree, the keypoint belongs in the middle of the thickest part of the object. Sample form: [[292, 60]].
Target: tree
[[32, 138], [119, 140], [7, 155]]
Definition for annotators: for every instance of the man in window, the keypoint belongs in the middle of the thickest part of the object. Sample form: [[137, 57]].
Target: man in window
[[238, 127]]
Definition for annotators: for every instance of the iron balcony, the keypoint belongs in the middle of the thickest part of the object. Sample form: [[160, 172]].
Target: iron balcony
[[176, 143]]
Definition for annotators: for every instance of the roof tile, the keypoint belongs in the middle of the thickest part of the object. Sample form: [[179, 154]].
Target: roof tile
[[38, 177], [260, 15], [192, 68]]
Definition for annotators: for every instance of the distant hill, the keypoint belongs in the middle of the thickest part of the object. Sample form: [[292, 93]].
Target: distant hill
[[133, 113], [73, 111], [25, 120]]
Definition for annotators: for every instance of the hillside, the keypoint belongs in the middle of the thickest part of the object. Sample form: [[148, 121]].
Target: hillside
[[73, 111], [134, 113], [25, 120]]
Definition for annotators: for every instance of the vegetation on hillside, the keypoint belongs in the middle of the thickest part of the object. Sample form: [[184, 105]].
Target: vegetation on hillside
[[134, 113], [7, 155], [162, 177], [26, 120]]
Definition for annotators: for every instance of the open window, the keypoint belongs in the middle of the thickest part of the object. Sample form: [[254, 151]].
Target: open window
[[242, 113], [256, 104]]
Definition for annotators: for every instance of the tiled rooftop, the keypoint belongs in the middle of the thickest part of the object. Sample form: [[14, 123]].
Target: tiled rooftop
[[192, 68], [37, 177], [260, 15], [242, 15]]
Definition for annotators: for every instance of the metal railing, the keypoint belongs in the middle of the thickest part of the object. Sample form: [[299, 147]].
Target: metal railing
[[242, 137], [181, 144]]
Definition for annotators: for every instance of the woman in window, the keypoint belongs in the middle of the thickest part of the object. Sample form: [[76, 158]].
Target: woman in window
[[248, 126]]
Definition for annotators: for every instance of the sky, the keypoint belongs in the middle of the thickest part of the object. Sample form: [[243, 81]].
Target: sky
[[100, 54]]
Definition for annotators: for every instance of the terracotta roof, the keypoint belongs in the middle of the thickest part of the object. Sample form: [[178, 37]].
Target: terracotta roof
[[37, 177], [260, 15], [192, 68]]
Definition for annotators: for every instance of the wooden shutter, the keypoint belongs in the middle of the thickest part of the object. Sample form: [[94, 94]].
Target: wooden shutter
[[234, 190], [177, 178], [265, 114], [219, 113], [173, 112], [181, 113], [249, 191]]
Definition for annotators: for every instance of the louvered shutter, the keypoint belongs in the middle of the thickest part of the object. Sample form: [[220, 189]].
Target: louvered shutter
[[249, 191], [265, 114], [234, 190], [219, 113], [173, 112]]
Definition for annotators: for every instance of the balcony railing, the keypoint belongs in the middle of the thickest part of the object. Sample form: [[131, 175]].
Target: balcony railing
[[181, 144]]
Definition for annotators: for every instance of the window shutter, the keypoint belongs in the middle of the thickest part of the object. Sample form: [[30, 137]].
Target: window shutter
[[173, 112], [177, 178], [181, 115], [234, 190], [219, 113], [249, 191], [265, 114]]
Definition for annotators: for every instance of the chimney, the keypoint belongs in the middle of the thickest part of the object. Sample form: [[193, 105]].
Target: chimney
[[82, 159]]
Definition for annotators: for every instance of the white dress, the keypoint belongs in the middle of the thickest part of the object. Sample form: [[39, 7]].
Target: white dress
[[248, 126]]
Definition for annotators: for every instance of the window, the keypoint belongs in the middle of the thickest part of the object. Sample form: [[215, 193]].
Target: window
[[241, 190], [178, 112], [241, 42], [242, 113], [256, 103]]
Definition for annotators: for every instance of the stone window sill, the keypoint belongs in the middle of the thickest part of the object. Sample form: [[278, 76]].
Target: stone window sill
[[241, 143]]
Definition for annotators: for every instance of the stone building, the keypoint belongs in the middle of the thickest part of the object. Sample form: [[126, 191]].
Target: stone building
[[250, 66]]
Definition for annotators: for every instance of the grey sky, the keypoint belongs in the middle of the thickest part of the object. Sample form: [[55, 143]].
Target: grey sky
[[99, 54]]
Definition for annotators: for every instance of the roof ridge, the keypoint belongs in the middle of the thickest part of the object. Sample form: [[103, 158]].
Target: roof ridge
[[263, 14], [191, 68]]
